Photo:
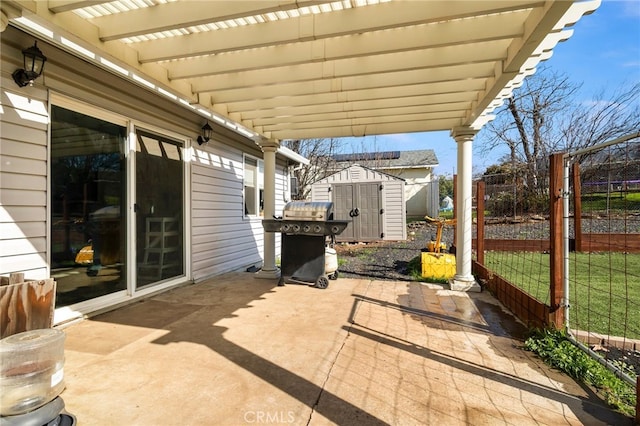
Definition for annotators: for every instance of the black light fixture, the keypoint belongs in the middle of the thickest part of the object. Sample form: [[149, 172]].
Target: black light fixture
[[207, 132], [33, 65]]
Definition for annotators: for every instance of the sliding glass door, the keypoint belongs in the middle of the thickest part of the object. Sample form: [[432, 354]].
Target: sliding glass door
[[88, 206], [103, 239], [159, 208]]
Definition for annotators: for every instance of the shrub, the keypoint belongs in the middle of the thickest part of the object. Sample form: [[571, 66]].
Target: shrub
[[556, 349]]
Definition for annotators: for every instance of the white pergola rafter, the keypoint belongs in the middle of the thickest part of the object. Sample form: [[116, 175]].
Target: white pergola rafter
[[411, 27], [294, 69], [251, 60]]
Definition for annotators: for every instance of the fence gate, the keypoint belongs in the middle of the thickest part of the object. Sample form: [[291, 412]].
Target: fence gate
[[602, 252]]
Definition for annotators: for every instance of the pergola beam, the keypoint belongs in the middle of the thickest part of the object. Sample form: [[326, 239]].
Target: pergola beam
[[307, 34]]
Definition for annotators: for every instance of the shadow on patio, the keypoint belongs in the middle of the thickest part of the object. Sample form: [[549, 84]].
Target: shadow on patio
[[237, 350]]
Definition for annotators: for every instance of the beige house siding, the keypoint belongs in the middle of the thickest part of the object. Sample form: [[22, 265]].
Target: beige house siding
[[283, 196], [219, 233], [222, 239], [23, 178], [416, 189]]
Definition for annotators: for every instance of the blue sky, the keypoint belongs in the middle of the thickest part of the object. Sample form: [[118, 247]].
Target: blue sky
[[602, 54]]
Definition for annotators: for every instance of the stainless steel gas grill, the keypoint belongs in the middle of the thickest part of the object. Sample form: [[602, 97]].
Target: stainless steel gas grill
[[305, 228]]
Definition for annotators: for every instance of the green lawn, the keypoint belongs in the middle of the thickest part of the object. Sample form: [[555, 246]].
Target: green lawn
[[622, 201], [604, 290]]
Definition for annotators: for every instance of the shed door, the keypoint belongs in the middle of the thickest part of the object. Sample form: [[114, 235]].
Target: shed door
[[343, 205], [361, 204]]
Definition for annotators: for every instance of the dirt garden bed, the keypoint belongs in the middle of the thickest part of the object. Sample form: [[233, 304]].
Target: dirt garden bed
[[387, 260]]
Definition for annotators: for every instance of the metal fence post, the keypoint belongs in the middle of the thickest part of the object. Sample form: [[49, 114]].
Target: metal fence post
[[480, 191], [556, 289], [577, 207], [637, 400]]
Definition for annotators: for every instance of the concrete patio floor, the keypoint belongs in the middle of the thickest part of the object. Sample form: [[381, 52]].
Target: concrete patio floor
[[236, 350]]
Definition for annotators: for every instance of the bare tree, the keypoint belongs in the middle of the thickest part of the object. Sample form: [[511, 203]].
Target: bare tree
[[528, 123], [543, 116], [319, 152], [603, 119]]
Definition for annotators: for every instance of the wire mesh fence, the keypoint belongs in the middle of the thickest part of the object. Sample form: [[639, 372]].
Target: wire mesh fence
[[517, 229], [603, 267], [600, 250]]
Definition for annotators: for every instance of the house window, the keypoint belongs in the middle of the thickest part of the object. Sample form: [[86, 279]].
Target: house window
[[294, 186], [253, 186]]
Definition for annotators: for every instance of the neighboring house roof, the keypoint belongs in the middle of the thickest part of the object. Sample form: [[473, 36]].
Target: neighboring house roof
[[391, 159]]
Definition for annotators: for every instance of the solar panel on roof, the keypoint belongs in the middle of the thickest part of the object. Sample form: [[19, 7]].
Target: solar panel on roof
[[368, 156]]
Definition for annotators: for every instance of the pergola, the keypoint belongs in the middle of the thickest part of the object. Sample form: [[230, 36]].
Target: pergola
[[282, 69]]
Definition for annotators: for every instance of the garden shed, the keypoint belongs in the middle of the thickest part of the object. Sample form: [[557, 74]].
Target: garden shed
[[415, 167], [373, 201]]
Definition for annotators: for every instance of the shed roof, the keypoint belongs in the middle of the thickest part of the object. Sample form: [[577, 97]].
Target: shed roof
[[351, 166]]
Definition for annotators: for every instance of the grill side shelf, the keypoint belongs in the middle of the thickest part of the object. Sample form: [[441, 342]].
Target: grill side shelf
[[271, 225]]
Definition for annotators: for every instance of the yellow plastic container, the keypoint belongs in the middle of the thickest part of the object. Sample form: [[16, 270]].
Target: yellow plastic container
[[438, 265]]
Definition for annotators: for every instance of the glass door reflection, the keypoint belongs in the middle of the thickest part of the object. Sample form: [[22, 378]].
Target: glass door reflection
[[88, 222], [159, 209]]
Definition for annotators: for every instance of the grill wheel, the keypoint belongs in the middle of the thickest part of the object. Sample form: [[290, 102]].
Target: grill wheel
[[322, 282]]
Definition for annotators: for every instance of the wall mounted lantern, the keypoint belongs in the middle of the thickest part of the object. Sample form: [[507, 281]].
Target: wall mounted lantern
[[33, 65], [207, 132]]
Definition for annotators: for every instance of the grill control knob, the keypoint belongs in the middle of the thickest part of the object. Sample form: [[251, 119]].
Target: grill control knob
[[284, 227], [317, 229], [306, 228], [296, 228], [335, 229]]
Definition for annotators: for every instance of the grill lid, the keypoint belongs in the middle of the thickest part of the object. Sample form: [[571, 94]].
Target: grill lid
[[308, 210]]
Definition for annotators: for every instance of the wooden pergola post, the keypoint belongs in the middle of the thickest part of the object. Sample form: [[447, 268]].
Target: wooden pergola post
[[556, 288]]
